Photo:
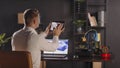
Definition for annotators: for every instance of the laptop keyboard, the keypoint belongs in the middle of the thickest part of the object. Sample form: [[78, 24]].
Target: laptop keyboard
[[53, 56]]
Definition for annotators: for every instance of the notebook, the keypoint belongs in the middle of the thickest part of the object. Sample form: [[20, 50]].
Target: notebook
[[61, 52]]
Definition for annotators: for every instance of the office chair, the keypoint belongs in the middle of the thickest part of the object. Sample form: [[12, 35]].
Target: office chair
[[15, 59]]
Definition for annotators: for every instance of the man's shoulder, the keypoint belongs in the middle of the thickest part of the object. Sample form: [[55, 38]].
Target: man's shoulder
[[18, 31]]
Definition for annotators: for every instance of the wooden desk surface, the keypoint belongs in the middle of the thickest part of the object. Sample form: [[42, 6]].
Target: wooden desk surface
[[96, 61]]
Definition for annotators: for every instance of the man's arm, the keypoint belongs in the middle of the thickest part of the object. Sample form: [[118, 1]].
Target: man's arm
[[45, 45]]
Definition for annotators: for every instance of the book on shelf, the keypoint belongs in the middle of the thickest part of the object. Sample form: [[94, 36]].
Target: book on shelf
[[98, 37], [92, 20]]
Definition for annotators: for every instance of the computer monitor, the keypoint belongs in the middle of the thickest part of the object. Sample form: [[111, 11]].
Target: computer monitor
[[62, 48]]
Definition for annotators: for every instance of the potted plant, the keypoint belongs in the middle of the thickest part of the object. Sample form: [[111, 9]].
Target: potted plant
[[79, 23], [105, 52], [3, 39]]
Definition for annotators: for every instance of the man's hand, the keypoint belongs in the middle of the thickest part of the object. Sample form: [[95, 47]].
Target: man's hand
[[58, 30], [48, 29]]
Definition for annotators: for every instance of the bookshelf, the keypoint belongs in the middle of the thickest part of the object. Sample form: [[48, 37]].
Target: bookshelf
[[86, 43]]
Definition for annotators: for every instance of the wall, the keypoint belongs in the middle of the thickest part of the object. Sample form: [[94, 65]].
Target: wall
[[113, 32]]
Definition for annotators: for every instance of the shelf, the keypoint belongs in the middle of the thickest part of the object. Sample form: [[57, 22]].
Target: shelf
[[80, 43], [96, 27], [97, 5], [79, 34], [80, 11], [96, 2]]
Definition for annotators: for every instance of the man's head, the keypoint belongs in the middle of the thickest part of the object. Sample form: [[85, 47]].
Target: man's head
[[31, 17]]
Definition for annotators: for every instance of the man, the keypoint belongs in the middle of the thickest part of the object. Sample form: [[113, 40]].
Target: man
[[27, 39]]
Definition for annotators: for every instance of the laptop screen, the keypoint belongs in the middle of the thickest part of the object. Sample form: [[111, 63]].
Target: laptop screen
[[62, 48]]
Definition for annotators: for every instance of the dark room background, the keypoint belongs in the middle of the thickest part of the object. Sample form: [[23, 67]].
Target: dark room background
[[60, 10], [50, 10]]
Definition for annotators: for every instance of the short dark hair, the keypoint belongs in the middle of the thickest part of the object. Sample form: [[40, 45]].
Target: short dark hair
[[29, 14]]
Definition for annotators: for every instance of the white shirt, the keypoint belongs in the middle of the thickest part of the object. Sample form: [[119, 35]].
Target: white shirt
[[27, 39]]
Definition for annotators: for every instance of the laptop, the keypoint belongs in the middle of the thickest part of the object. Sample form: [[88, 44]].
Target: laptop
[[61, 52]]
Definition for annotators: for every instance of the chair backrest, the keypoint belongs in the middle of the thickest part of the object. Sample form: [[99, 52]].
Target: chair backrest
[[15, 59]]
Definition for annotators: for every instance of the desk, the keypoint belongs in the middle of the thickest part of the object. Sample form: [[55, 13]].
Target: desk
[[96, 62]]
